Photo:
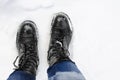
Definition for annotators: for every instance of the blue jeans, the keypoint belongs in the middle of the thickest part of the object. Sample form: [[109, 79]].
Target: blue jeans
[[64, 70], [21, 75]]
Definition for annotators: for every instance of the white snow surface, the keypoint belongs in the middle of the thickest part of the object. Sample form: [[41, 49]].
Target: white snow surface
[[96, 38]]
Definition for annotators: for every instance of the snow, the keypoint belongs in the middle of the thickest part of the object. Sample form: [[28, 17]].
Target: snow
[[96, 39]]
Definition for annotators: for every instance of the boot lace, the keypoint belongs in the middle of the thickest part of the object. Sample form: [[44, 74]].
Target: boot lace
[[27, 57]]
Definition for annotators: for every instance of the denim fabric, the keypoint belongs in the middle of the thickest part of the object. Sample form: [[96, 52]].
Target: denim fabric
[[21, 75], [65, 70]]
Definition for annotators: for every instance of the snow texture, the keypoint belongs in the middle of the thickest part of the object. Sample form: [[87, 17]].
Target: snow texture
[[96, 38]]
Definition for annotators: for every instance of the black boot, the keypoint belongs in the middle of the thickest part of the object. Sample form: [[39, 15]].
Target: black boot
[[27, 46], [61, 34]]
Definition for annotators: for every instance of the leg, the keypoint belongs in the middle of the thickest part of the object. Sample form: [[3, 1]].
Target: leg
[[21, 75], [61, 66], [28, 59], [64, 70]]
